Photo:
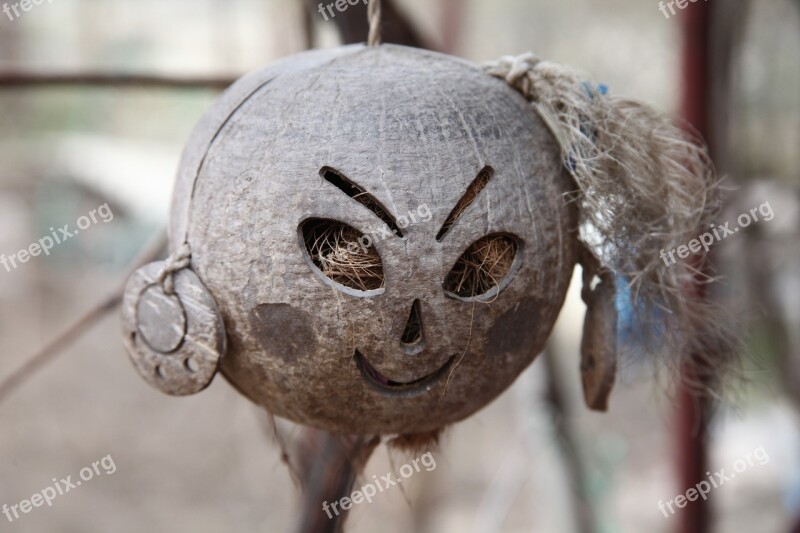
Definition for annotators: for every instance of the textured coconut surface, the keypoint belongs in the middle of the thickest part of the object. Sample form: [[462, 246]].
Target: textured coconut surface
[[412, 131]]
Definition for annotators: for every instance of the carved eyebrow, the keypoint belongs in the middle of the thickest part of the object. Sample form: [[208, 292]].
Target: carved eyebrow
[[474, 189], [357, 193]]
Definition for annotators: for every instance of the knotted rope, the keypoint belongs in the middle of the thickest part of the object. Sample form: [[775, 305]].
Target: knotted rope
[[178, 260]]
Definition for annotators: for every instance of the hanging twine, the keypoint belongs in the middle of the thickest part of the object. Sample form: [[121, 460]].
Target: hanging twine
[[644, 186], [178, 260], [374, 17]]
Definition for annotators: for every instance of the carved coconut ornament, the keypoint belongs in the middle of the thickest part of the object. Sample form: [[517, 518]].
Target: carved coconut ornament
[[378, 239]]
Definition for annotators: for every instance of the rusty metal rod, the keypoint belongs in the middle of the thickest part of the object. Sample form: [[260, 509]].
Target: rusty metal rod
[[32, 79]]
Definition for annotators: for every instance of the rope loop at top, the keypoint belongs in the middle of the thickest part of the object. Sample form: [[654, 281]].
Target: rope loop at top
[[374, 17]]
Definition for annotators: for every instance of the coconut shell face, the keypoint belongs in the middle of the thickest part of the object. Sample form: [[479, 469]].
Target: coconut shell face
[[406, 160]]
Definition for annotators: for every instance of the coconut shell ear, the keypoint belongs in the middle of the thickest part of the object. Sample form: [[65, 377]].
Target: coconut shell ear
[[173, 330], [599, 342]]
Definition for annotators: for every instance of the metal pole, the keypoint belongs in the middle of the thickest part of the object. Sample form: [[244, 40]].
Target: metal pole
[[693, 410]]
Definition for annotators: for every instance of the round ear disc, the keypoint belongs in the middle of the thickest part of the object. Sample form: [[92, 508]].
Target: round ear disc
[[599, 341], [175, 340], [599, 346]]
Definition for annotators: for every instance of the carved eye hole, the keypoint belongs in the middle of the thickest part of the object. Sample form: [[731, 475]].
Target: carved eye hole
[[484, 269], [335, 250]]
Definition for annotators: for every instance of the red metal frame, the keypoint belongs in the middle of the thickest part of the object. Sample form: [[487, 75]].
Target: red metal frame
[[693, 410]]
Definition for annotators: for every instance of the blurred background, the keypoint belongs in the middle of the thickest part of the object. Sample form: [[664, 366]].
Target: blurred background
[[536, 460]]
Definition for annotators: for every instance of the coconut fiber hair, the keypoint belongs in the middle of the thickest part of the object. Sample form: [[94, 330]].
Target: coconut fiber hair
[[643, 185]]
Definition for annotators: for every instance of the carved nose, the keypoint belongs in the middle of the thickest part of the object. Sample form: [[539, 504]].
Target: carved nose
[[413, 339]]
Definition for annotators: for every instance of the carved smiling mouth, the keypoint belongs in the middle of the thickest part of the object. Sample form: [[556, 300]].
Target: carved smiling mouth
[[384, 384]]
